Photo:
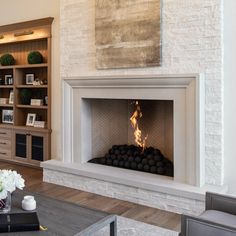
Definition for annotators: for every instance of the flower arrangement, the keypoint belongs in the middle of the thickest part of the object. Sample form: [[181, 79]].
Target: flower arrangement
[[9, 181]]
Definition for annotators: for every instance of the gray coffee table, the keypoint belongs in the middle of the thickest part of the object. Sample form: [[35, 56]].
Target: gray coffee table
[[63, 218]]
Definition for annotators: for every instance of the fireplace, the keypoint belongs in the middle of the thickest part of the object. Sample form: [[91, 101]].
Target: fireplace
[[96, 115], [183, 92], [132, 134]]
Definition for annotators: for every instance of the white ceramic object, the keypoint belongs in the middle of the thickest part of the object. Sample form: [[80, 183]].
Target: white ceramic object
[[28, 203]]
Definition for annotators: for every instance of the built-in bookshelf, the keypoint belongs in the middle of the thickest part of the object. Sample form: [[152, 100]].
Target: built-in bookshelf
[[25, 93]]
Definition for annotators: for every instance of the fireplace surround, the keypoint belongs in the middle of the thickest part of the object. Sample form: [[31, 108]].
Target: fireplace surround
[[184, 91], [188, 184]]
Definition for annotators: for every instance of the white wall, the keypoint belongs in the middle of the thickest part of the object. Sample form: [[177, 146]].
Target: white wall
[[230, 93], [13, 11], [192, 43]]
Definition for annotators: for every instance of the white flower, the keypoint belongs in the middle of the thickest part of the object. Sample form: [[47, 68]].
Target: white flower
[[9, 181], [19, 181]]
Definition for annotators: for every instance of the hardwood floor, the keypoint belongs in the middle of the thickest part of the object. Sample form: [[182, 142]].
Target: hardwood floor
[[33, 180]]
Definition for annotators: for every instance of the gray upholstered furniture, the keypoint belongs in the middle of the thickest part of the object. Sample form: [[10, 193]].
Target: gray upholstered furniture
[[219, 218]]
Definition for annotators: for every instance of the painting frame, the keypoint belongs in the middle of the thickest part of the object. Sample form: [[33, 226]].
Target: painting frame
[[128, 40], [7, 116], [8, 79], [29, 78], [30, 119]]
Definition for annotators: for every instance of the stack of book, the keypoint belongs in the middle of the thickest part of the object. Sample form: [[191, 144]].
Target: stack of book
[[16, 222]]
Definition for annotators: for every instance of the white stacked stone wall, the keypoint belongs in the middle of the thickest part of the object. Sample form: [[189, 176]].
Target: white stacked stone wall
[[192, 42], [154, 199]]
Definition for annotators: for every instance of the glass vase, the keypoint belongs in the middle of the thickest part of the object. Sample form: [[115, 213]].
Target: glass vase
[[5, 204]]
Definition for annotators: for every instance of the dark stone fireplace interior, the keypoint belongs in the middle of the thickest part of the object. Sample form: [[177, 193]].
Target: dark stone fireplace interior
[[113, 139]]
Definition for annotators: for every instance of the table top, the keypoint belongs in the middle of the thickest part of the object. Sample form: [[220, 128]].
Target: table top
[[61, 218]]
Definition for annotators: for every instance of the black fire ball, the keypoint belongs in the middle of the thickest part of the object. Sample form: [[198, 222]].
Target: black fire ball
[[150, 160]]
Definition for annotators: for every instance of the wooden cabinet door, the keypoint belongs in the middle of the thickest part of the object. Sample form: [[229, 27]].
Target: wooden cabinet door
[[30, 147], [20, 146], [38, 150]]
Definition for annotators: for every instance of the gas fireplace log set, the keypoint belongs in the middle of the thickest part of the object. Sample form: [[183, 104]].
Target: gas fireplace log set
[[132, 157]]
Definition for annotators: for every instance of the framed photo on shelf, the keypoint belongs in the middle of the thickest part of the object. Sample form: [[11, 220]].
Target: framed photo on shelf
[[8, 79], [7, 116], [39, 124], [11, 97], [30, 119], [29, 78]]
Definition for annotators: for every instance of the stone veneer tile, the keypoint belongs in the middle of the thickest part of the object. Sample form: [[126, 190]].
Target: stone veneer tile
[[140, 196]]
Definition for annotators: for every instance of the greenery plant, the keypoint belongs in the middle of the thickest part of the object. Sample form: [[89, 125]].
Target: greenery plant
[[35, 57], [7, 60]]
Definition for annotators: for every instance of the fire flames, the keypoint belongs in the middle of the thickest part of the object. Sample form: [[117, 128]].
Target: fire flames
[[137, 132]]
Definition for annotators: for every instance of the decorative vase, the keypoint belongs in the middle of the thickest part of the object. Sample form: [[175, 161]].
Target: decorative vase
[[5, 204]]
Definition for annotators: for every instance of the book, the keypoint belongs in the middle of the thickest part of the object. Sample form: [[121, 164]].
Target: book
[[17, 222]]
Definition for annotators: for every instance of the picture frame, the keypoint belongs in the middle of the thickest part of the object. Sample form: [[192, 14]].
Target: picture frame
[[29, 78], [30, 119], [39, 124], [7, 116], [11, 97], [36, 102], [8, 79]]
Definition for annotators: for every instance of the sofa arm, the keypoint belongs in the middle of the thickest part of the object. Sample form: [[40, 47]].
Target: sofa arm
[[220, 202], [195, 226]]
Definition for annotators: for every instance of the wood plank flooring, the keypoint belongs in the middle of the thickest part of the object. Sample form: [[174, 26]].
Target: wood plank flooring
[[33, 180]]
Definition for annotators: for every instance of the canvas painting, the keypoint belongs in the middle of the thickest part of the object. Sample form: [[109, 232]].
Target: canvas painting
[[128, 33]]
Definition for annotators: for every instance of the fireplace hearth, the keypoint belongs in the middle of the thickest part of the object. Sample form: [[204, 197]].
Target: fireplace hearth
[[150, 160]]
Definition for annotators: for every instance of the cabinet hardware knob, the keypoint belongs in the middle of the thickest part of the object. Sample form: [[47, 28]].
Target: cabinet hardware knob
[[3, 133], [3, 153], [3, 143]]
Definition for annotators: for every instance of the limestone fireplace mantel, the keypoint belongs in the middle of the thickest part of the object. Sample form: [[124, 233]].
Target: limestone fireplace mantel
[[187, 93]]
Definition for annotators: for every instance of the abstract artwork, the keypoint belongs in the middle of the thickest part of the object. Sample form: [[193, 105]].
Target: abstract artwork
[[127, 33]]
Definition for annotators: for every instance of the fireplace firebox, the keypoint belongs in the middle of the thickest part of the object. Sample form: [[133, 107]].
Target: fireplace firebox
[[132, 134]]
